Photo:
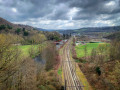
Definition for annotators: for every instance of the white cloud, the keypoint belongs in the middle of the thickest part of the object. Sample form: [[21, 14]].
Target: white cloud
[[69, 24], [14, 10], [111, 3], [72, 12], [25, 22], [51, 15], [66, 24], [0, 1], [101, 22]]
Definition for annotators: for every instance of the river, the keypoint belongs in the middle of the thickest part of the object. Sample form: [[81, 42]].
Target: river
[[40, 60]]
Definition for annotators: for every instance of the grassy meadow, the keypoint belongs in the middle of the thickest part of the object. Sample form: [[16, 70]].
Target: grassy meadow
[[80, 49], [26, 48]]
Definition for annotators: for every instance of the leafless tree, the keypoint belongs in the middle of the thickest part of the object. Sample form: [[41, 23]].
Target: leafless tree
[[9, 61], [85, 51], [49, 55]]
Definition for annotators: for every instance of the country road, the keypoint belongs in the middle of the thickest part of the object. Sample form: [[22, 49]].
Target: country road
[[71, 79]]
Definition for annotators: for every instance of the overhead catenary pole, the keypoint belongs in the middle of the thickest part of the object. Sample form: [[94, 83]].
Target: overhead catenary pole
[[65, 85]]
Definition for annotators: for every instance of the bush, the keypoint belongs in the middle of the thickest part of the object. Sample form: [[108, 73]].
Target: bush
[[115, 50], [23, 29], [26, 33], [18, 31], [9, 27], [32, 51], [2, 27], [98, 71]]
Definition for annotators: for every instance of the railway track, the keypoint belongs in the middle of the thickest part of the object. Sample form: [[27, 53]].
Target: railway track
[[72, 81]]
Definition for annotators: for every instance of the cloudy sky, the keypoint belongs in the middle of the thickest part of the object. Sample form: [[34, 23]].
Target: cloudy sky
[[61, 14]]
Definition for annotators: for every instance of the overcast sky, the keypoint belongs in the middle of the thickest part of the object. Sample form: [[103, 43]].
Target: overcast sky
[[61, 14]]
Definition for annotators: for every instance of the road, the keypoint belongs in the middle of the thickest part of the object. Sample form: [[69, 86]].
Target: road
[[71, 79]]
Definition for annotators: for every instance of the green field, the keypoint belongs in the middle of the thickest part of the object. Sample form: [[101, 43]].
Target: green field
[[80, 49], [25, 48]]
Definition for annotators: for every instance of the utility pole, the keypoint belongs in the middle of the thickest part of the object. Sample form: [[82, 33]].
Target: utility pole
[[65, 85]]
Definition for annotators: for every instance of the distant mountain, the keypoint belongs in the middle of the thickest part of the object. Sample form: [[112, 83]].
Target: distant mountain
[[41, 29], [92, 30], [113, 36], [50, 30], [101, 29]]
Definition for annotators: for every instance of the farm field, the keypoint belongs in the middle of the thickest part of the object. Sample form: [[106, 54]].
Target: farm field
[[80, 49]]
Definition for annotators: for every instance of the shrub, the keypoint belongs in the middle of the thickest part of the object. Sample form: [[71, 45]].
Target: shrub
[[98, 71], [26, 33], [9, 27], [2, 27], [23, 29], [18, 31]]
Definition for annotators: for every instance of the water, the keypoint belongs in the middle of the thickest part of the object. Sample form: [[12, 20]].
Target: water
[[38, 59]]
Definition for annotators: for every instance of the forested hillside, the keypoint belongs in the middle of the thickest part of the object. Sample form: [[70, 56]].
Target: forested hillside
[[91, 30], [20, 45], [113, 36]]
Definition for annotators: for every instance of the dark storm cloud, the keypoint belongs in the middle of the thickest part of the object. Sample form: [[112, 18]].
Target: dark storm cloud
[[28, 8], [60, 12], [80, 11], [94, 8]]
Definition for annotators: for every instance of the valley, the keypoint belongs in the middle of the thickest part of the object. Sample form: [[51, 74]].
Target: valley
[[82, 59]]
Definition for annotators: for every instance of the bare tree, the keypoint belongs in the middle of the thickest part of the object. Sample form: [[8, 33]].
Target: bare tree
[[25, 78], [93, 55], [85, 51], [115, 50], [9, 61], [49, 55]]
